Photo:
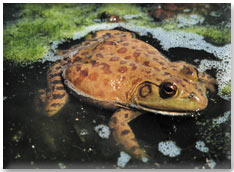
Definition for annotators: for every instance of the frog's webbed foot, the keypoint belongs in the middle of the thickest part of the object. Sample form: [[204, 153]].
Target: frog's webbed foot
[[124, 135], [52, 99]]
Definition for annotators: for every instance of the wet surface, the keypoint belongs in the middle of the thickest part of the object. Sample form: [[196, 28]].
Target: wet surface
[[69, 139]]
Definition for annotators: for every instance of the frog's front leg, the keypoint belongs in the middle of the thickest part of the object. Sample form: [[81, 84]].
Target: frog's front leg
[[124, 135]]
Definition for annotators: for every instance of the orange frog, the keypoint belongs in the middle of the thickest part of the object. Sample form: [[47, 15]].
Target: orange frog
[[117, 71]]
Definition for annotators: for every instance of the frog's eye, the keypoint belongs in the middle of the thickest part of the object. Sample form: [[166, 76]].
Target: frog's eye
[[167, 89]]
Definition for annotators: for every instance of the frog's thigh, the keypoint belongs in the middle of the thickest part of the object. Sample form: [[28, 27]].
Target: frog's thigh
[[56, 93], [124, 135]]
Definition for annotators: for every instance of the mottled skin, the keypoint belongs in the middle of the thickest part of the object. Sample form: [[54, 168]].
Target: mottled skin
[[115, 70]]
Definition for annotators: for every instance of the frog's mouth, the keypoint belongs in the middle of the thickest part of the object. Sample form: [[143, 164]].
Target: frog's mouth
[[165, 112]]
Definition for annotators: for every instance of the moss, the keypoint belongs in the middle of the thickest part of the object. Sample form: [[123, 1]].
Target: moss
[[29, 38], [227, 90], [212, 34]]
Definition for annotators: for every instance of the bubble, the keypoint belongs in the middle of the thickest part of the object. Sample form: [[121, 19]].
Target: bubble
[[103, 131], [62, 165], [123, 159], [169, 148], [222, 119], [211, 163], [84, 132], [200, 145]]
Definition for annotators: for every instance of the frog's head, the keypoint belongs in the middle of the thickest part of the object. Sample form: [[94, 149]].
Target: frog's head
[[173, 96]]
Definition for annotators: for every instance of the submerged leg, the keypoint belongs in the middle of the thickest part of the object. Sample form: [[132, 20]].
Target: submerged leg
[[55, 96], [124, 135]]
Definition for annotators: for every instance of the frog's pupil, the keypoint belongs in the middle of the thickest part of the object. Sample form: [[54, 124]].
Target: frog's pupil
[[167, 90]]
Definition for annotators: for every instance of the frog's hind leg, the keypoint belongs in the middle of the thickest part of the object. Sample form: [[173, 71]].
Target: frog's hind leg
[[55, 96], [124, 135]]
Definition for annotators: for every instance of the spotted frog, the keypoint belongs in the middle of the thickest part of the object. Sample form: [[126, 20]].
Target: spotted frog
[[115, 70]]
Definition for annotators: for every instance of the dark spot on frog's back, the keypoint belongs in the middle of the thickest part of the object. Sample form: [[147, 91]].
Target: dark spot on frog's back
[[156, 69], [122, 50], [106, 68], [136, 54], [99, 55], [166, 73], [161, 63], [78, 68], [122, 69], [125, 44], [133, 65], [84, 72], [77, 59], [123, 62], [93, 76], [114, 58], [146, 63], [151, 52], [109, 43], [126, 115], [127, 57]]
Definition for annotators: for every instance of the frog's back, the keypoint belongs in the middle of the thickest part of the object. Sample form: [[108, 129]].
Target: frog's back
[[111, 65]]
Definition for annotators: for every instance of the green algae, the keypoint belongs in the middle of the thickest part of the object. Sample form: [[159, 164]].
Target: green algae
[[227, 90], [215, 35], [212, 34], [29, 38]]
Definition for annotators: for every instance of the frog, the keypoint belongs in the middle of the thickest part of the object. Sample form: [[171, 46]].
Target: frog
[[113, 69]]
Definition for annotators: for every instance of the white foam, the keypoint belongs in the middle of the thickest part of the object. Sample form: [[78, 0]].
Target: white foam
[[222, 119], [189, 20], [211, 163], [201, 146], [123, 159], [169, 148], [103, 131]]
